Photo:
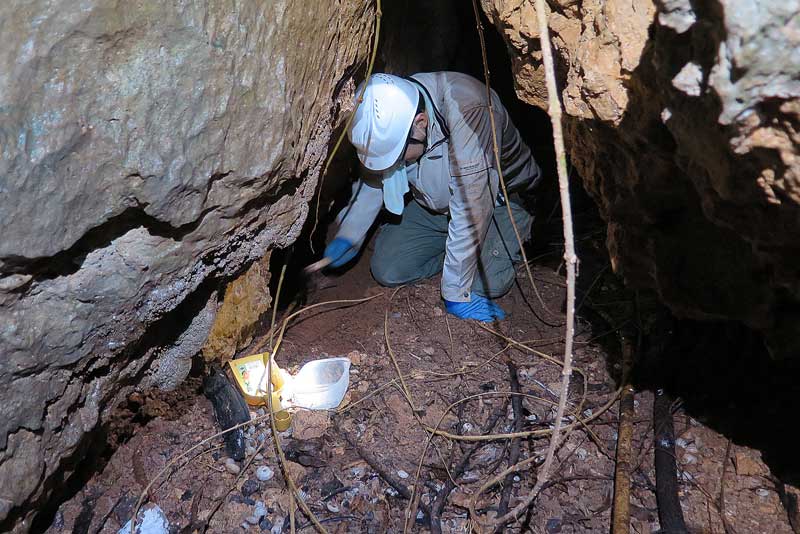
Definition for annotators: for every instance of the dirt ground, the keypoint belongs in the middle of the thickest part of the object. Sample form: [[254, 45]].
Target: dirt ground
[[443, 361]]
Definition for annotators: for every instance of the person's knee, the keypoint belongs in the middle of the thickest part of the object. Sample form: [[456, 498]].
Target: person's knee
[[497, 282], [387, 273]]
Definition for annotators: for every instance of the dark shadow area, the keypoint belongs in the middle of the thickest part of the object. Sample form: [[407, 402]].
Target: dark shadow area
[[721, 372], [726, 380]]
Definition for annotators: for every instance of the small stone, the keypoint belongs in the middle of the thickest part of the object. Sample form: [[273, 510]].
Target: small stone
[[763, 493], [582, 454], [332, 507], [150, 520], [260, 510], [232, 467], [437, 312], [249, 451], [396, 315], [245, 526], [553, 525], [516, 478], [689, 459], [249, 487], [265, 524], [264, 473], [402, 474], [470, 476], [259, 457], [391, 492], [428, 350]]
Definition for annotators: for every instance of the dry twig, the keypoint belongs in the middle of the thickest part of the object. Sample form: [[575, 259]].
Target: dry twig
[[570, 258], [621, 517], [725, 523], [496, 149], [378, 15]]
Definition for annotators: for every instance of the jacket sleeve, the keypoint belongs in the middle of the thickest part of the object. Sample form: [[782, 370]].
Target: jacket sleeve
[[357, 217], [473, 189]]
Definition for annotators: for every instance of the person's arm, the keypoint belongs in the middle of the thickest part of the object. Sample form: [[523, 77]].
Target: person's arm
[[473, 189], [354, 222], [357, 217]]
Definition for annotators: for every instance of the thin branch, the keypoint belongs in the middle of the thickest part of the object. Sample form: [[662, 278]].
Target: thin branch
[[621, 517], [378, 15], [496, 149], [570, 258]]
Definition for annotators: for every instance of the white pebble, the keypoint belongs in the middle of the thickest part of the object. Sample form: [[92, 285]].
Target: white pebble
[[761, 492], [232, 467], [402, 474], [582, 454], [264, 473], [260, 510], [332, 507]]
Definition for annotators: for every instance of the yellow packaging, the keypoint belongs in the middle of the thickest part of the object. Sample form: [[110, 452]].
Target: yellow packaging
[[248, 371]]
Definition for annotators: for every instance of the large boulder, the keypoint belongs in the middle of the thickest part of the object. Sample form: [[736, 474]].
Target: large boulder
[[683, 119], [150, 151]]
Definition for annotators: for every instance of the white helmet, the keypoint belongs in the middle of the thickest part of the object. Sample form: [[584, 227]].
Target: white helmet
[[380, 127]]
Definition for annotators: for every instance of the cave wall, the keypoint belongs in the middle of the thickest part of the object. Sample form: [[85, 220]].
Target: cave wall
[[683, 120], [151, 151]]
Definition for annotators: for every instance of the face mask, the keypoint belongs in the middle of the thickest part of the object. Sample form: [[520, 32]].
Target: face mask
[[395, 186]]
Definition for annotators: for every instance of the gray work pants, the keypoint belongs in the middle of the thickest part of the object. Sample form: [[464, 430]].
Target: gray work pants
[[413, 249]]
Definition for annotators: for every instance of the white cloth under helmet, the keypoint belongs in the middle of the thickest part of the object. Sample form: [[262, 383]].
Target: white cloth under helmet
[[383, 119]]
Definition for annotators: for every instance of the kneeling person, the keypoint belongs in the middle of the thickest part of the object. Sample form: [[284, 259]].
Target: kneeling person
[[432, 132]]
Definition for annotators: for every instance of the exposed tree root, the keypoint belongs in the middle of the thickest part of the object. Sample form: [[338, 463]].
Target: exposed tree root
[[670, 513]]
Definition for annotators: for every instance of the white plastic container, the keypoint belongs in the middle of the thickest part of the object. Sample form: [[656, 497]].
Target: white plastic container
[[318, 385]]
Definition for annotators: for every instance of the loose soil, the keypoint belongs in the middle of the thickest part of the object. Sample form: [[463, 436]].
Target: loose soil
[[443, 361]]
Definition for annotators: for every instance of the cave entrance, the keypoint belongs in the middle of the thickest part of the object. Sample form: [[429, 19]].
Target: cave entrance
[[422, 36]]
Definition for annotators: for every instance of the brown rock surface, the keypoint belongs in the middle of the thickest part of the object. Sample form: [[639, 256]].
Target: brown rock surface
[[682, 119], [246, 299], [149, 152]]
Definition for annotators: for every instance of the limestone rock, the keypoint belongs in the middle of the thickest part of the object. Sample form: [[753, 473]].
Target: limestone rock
[[149, 152], [682, 119]]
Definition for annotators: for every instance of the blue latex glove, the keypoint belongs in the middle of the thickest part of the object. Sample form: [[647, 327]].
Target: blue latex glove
[[340, 251], [479, 308]]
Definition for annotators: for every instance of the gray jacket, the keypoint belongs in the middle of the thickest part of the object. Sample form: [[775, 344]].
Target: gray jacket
[[458, 178]]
